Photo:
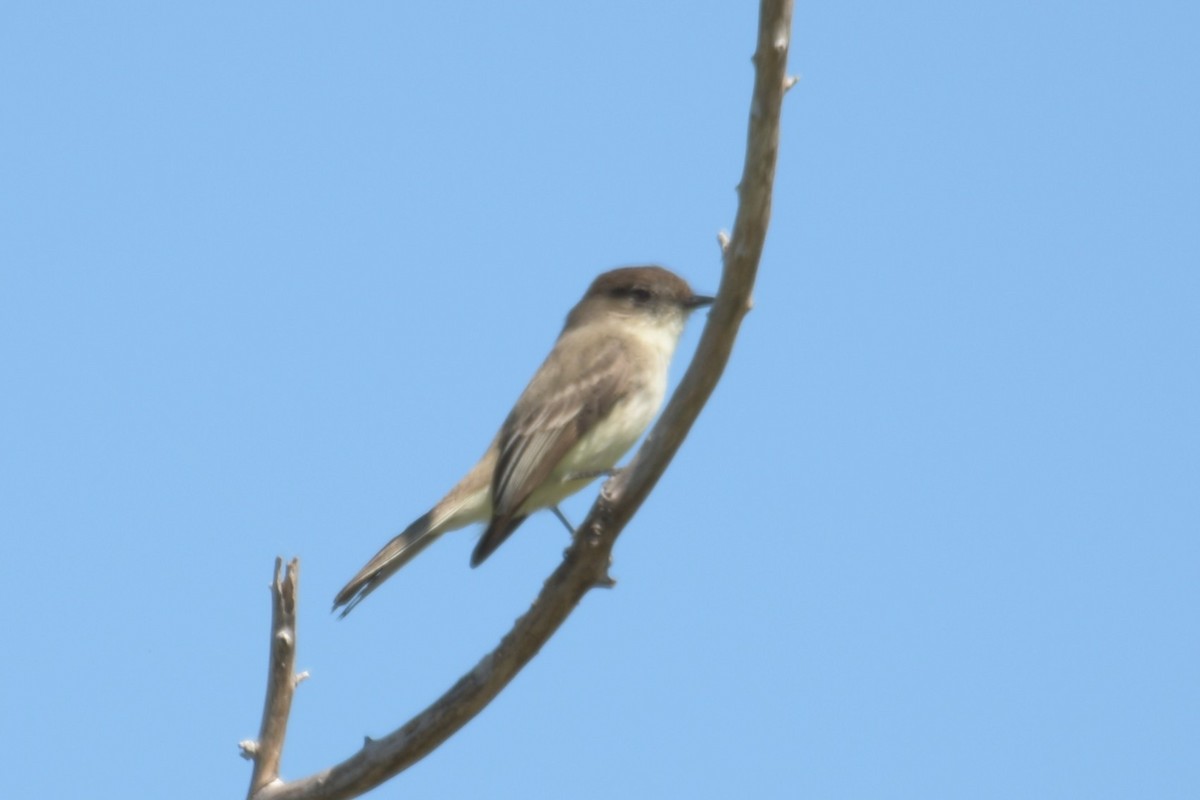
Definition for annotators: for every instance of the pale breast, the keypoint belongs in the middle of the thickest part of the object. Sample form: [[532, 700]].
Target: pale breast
[[612, 437]]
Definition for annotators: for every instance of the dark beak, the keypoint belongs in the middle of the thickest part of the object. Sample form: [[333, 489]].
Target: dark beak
[[698, 301]]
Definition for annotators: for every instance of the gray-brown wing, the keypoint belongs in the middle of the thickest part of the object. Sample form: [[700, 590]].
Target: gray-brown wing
[[563, 402]]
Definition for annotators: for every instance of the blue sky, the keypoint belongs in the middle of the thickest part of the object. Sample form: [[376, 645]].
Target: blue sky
[[272, 274]]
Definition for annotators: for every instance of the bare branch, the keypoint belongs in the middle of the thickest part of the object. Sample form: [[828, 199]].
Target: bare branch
[[585, 564], [281, 680], [380, 759], [741, 254]]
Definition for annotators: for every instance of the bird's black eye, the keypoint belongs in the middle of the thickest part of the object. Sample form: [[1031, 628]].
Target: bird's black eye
[[637, 293]]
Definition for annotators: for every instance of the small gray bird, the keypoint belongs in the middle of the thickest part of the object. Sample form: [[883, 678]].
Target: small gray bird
[[591, 399]]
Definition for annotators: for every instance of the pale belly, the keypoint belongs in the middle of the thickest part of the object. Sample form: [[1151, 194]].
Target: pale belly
[[600, 449]]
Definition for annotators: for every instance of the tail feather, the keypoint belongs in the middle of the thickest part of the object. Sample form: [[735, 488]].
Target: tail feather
[[394, 555]]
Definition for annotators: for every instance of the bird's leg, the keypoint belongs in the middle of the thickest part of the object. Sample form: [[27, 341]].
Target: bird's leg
[[563, 519], [592, 474], [586, 475]]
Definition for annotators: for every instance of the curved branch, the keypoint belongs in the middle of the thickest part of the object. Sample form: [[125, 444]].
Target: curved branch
[[585, 564], [742, 253]]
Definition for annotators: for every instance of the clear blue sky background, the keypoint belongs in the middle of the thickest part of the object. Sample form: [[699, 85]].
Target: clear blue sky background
[[273, 273]]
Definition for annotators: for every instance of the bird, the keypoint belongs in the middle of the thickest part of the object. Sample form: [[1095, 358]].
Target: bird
[[588, 403]]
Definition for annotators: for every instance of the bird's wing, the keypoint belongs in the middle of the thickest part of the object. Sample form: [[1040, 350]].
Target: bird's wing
[[538, 434]]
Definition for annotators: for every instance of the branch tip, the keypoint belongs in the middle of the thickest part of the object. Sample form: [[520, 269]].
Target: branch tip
[[281, 677]]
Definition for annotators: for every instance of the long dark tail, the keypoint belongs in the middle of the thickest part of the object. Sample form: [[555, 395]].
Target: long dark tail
[[394, 555]]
